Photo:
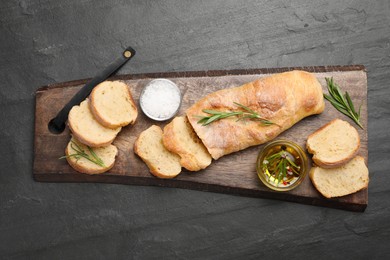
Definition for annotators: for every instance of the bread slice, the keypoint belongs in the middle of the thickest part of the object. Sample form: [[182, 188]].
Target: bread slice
[[106, 153], [87, 130], [180, 138], [333, 144], [112, 105], [341, 181], [161, 162]]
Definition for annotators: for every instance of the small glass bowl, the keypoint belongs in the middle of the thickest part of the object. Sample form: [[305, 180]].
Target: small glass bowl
[[160, 99], [295, 153]]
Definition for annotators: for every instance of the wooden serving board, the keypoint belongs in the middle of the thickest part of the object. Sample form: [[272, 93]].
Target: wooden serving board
[[232, 174]]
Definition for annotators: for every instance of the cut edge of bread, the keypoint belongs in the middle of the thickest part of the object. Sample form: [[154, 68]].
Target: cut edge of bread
[[154, 162], [180, 138], [341, 172], [82, 165], [104, 119], [87, 138], [324, 163]]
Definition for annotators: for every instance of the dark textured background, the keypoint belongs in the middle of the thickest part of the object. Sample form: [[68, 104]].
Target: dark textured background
[[43, 42]]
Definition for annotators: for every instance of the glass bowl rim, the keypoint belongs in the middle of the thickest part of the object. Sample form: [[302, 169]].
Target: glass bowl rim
[[291, 144]]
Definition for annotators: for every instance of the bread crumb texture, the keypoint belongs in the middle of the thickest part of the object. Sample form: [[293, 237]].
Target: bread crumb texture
[[112, 104], [180, 138], [87, 130], [161, 162], [334, 144], [83, 165], [341, 181]]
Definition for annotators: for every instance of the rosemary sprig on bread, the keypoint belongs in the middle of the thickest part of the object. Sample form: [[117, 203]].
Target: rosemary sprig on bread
[[342, 103], [80, 153], [245, 113]]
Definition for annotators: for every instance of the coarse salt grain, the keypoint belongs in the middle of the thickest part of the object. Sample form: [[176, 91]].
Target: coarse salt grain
[[160, 99]]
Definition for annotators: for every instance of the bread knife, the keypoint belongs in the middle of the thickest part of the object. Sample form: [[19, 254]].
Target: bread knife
[[57, 124]]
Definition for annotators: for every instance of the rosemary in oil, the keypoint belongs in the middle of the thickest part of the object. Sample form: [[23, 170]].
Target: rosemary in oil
[[282, 165]]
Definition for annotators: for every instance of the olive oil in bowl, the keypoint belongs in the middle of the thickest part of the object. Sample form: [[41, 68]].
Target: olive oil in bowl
[[282, 165]]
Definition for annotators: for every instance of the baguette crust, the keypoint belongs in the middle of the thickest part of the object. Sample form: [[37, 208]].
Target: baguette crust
[[344, 180], [180, 138], [283, 98], [335, 141], [112, 104]]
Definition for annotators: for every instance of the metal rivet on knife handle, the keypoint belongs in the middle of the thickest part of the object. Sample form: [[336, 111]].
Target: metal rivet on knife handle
[[57, 124], [127, 54]]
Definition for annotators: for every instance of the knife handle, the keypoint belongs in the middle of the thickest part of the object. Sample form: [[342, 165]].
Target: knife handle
[[57, 124]]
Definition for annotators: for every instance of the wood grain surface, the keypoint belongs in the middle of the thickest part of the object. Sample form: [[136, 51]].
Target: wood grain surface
[[231, 174]]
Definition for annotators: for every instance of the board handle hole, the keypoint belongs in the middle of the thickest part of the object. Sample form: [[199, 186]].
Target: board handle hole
[[55, 128]]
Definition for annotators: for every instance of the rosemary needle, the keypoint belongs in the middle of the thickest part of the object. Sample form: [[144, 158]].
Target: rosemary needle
[[245, 113], [281, 166], [342, 103], [81, 153]]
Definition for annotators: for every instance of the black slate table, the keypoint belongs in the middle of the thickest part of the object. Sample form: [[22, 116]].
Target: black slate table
[[46, 42]]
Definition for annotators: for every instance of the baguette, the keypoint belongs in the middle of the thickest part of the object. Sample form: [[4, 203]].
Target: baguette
[[112, 105], [161, 162], [341, 181], [334, 144], [283, 98], [180, 138]]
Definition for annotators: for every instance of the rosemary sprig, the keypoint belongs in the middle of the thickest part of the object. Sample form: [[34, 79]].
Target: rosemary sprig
[[81, 153], [342, 103], [245, 113], [281, 167]]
